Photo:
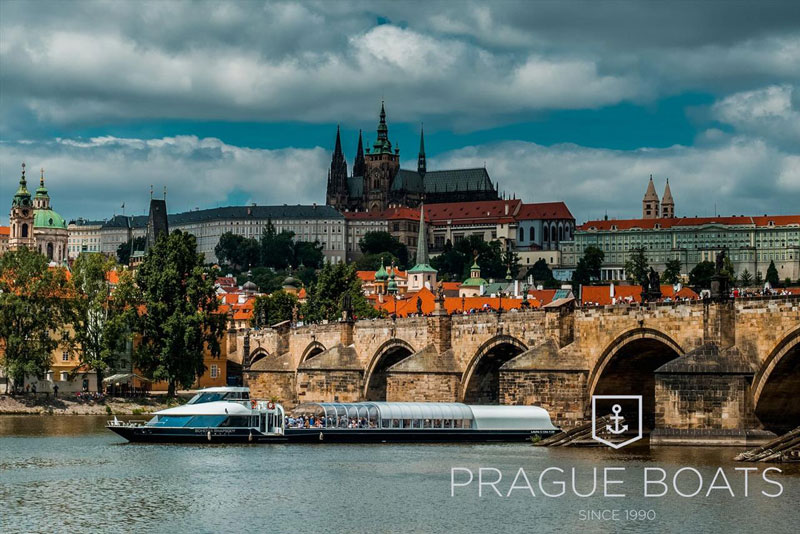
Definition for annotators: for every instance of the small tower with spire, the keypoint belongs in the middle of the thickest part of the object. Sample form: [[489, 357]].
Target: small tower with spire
[[21, 217], [421, 165], [337, 193], [650, 203], [422, 274], [667, 204], [42, 199]]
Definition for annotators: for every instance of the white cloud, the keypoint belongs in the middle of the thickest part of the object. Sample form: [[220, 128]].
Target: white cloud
[[91, 178], [739, 175], [769, 112]]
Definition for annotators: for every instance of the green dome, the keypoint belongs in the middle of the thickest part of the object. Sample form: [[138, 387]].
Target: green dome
[[48, 219], [381, 273], [291, 281], [474, 282]]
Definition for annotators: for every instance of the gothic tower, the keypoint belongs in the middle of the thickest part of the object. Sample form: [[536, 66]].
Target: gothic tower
[[359, 167], [21, 217], [667, 204], [421, 165], [650, 202], [382, 165], [337, 177]]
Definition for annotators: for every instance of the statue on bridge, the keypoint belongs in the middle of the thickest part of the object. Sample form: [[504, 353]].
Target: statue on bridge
[[347, 307], [720, 281], [651, 287]]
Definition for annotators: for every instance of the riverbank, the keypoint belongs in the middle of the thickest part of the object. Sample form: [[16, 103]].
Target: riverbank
[[28, 404]]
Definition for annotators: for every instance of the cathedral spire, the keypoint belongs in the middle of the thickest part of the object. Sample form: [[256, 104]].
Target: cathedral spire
[[421, 166], [359, 167]]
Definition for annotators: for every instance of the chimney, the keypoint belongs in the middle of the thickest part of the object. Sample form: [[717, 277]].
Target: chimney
[[611, 290], [506, 208], [516, 288]]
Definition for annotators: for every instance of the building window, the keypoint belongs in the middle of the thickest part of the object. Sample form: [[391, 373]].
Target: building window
[[214, 371], [65, 356], [533, 233]]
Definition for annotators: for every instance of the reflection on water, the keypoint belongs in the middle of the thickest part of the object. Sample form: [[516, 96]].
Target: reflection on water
[[68, 474]]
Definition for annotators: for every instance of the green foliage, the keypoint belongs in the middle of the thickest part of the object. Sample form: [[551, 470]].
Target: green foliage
[[34, 309], [700, 276], [588, 267], [672, 272], [131, 245], [237, 251], [772, 275], [273, 309], [759, 279], [454, 261], [372, 262], [308, 254], [179, 319], [101, 323], [787, 282], [636, 267], [542, 274], [745, 278], [326, 296], [376, 243]]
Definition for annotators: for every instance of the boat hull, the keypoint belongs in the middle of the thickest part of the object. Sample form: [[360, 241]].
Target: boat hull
[[323, 435]]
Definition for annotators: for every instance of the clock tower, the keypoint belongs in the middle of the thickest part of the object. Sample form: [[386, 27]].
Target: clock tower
[[21, 217]]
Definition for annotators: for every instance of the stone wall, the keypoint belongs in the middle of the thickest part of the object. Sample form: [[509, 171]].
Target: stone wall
[[269, 384], [562, 394], [704, 402], [422, 387], [327, 385]]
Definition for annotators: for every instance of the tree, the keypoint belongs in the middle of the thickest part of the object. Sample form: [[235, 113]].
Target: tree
[[237, 251], [588, 267], [787, 282], [277, 249], [772, 275], [382, 242], [637, 267], [33, 313], [180, 318], [125, 249], [511, 261], [273, 309], [372, 262], [542, 274], [745, 278], [672, 272], [326, 296], [101, 323], [759, 279], [700, 276], [308, 254]]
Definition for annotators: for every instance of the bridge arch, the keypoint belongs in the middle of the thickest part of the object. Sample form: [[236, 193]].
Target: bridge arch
[[480, 383], [313, 349], [258, 354], [627, 367], [776, 386], [388, 354]]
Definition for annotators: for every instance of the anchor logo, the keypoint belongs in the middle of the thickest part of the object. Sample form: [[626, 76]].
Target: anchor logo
[[616, 428], [617, 418]]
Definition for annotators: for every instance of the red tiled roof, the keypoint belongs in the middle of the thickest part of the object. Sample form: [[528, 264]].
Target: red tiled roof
[[387, 214], [601, 295], [369, 276], [408, 306], [647, 224], [545, 210], [545, 296], [486, 209], [5, 230]]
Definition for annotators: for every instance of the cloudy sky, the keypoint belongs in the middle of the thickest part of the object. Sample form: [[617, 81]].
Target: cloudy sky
[[233, 102]]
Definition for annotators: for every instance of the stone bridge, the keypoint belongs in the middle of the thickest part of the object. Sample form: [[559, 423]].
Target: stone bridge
[[716, 368]]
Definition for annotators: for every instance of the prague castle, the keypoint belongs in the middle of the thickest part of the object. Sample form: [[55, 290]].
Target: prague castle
[[33, 224], [377, 181]]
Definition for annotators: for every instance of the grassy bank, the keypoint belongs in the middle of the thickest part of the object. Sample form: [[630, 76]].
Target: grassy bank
[[29, 404]]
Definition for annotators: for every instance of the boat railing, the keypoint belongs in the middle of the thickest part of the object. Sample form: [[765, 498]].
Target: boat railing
[[131, 423]]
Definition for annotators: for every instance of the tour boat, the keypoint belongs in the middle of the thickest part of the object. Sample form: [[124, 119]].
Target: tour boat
[[379, 422], [215, 415], [229, 415]]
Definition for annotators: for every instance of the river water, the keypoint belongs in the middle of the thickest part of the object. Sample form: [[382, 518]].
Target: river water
[[69, 474]]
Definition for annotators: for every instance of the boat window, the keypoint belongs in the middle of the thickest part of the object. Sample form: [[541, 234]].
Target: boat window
[[170, 420], [467, 423], [447, 423], [457, 423], [206, 421], [406, 423], [386, 423], [427, 423], [235, 420], [201, 398], [245, 395]]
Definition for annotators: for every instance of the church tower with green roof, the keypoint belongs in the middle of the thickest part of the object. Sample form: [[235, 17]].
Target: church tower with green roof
[[422, 274], [21, 217]]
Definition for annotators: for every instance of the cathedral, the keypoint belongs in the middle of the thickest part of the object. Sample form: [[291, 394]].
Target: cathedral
[[377, 181], [33, 224]]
